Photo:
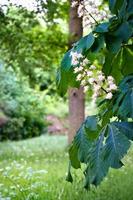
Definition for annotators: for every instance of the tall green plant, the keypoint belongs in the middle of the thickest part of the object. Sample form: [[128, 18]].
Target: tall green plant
[[103, 139]]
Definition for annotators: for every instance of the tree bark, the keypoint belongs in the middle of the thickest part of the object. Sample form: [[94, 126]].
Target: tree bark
[[76, 96]]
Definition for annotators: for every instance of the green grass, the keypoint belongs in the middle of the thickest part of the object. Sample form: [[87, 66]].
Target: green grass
[[36, 169]]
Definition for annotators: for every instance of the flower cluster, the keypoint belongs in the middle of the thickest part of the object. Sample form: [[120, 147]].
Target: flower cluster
[[91, 78], [90, 11]]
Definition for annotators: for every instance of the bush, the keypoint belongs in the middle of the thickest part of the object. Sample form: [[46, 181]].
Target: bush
[[23, 106]]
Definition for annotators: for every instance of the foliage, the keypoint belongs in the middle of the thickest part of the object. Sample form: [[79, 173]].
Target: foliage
[[103, 140], [27, 44], [37, 173], [23, 107]]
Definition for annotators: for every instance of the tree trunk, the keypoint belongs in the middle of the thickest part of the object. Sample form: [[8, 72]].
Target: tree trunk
[[76, 96]]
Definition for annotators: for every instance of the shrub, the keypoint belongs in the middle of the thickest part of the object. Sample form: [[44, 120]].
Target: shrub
[[23, 106]]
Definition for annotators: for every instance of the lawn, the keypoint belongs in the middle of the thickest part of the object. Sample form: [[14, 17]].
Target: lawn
[[36, 169]]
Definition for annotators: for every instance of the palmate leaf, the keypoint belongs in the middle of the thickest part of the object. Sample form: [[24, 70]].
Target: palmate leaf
[[125, 109], [126, 128], [116, 146], [102, 152], [115, 5], [82, 142], [120, 64], [96, 169]]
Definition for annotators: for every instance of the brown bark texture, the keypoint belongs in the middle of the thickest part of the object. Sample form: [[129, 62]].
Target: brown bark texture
[[76, 96]]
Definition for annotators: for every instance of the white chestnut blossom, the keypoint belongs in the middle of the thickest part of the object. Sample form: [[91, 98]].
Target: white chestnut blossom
[[109, 95], [112, 87], [91, 80], [91, 12], [74, 4], [86, 88], [90, 77], [101, 77], [79, 77], [89, 73], [93, 67]]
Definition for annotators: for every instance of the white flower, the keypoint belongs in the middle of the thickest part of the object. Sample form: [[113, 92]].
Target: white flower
[[75, 62], [83, 82], [76, 70], [91, 80], [86, 88], [101, 77], [95, 95], [79, 77], [80, 68], [80, 10], [109, 95], [97, 87], [92, 67], [79, 55], [85, 62], [74, 4], [110, 78], [113, 87], [89, 73], [75, 57]]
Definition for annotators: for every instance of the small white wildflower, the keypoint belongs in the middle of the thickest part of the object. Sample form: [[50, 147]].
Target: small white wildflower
[[79, 77], [74, 4], [109, 95], [92, 67], [89, 73], [91, 80]]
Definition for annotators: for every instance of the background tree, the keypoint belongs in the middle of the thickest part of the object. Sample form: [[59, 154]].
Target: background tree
[[76, 96]]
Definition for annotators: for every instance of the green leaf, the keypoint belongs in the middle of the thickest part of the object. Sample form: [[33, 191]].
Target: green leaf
[[83, 140], [112, 65], [126, 128], [130, 7], [79, 148], [125, 109], [127, 60], [116, 146], [102, 28], [91, 127], [65, 76], [124, 31], [115, 5], [69, 177], [98, 44], [96, 168], [84, 43], [113, 43]]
